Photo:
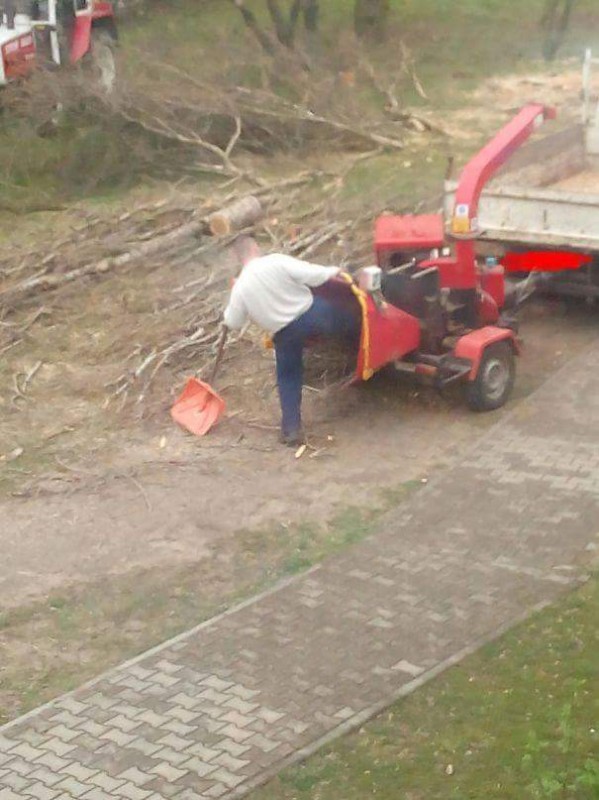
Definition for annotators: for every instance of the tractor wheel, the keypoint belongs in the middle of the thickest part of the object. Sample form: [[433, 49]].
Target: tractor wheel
[[101, 62], [495, 380]]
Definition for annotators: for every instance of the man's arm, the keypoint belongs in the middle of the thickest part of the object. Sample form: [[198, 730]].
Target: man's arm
[[309, 274], [236, 314]]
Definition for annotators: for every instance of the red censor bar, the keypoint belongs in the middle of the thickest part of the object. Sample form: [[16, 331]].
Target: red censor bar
[[544, 261]]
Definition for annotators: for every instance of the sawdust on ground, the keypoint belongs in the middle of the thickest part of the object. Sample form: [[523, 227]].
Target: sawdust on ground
[[498, 98], [586, 182]]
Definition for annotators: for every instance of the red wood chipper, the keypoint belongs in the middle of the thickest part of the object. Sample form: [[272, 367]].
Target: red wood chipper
[[432, 307]]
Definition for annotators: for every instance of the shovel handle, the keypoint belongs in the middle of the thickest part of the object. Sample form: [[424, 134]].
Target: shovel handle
[[219, 353]]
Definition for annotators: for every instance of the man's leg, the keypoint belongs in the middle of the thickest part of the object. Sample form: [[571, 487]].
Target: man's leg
[[290, 375], [321, 319], [289, 349]]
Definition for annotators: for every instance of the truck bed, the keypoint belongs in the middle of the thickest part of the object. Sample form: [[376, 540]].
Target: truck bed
[[547, 195]]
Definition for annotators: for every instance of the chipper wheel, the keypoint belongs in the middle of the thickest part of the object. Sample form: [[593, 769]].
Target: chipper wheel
[[100, 63], [495, 379]]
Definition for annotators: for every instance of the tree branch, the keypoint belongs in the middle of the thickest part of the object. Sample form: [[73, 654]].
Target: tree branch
[[278, 21], [252, 23], [311, 11], [294, 15]]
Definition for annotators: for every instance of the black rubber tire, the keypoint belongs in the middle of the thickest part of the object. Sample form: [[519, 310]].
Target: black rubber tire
[[494, 382]]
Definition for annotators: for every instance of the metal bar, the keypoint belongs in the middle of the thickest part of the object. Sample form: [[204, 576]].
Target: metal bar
[[10, 11], [477, 173], [54, 43], [488, 160]]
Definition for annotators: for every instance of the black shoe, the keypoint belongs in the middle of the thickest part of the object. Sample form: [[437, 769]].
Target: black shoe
[[295, 439]]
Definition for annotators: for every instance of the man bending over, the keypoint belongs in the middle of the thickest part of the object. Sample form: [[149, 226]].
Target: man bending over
[[274, 291]]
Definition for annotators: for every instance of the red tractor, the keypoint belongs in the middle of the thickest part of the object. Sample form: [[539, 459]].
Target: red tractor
[[55, 33], [433, 307]]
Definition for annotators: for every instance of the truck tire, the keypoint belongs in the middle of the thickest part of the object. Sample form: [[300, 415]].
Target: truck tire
[[495, 379], [101, 62]]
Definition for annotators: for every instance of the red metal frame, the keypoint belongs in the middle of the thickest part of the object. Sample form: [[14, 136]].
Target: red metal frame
[[81, 39], [19, 56], [402, 234], [473, 345], [415, 232], [473, 179], [387, 333], [405, 233], [102, 9], [487, 161], [447, 266], [82, 30]]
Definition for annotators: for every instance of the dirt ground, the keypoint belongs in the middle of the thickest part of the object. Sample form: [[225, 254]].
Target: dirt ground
[[92, 493], [186, 496]]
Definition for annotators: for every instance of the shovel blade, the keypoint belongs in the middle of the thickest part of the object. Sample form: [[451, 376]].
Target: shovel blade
[[198, 408]]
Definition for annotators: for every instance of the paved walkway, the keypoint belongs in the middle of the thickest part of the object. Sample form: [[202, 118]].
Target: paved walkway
[[217, 710]]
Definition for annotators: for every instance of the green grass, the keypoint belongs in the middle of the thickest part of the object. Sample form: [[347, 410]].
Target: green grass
[[519, 720], [454, 46], [86, 156], [347, 527]]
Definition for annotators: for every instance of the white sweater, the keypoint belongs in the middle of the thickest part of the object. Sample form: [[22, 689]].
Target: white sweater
[[274, 290]]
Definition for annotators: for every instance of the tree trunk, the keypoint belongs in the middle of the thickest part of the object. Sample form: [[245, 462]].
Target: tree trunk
[[252, 23], [370, 18], [311, 14], [285, 19], [282, 25], [554, 23]]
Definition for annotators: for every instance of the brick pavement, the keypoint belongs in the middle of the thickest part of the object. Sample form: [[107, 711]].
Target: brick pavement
[[210, 714]]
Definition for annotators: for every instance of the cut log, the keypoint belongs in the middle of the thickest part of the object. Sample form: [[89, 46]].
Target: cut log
[[239, 215]]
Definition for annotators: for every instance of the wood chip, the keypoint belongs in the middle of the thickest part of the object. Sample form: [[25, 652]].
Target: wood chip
[[13, 455], [300, 451]]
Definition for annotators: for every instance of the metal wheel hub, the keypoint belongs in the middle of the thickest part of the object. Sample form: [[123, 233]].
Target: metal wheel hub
[[495, 377]]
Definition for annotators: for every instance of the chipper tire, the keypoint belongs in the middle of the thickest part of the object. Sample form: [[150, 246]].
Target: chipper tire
[[495, 378], [100, 63]]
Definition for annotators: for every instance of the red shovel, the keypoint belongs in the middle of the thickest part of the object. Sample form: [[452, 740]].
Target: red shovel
[[199, 407]]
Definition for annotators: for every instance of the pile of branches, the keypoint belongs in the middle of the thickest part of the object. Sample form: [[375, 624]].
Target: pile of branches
[[100, 245], [95, 247], [176, 232], [221, 120], [312, 235], [220, 124]]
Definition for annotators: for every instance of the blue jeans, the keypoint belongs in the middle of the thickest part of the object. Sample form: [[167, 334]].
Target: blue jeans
[[321, 319]]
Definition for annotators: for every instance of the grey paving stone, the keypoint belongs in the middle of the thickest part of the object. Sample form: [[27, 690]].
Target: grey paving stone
[[8, 794], [105, 782], [39, 791]]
